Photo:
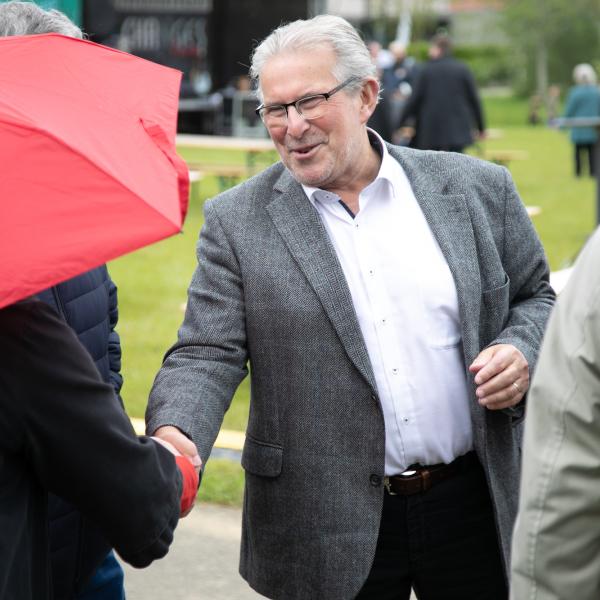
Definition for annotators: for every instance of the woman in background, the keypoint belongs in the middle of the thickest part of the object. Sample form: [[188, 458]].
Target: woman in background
[[583, 100]]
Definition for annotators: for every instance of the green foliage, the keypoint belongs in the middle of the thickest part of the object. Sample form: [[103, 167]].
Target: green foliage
[[491, 65], [418, 50], [505, 111], [425, 24], [568, 30], [579, 43], [546, 179]]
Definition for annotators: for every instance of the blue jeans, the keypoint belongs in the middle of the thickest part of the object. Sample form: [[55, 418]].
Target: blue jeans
[[106, 583]]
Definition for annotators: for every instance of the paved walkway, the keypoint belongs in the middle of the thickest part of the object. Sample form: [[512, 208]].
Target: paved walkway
[[202, 562]]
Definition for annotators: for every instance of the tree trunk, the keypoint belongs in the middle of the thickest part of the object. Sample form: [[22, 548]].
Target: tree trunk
[[541, 68]]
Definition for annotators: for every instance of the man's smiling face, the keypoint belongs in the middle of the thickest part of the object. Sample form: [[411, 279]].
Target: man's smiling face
[[322, 152]]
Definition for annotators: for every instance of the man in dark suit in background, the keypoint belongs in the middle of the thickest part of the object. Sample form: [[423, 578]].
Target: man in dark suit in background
[[444, 106]]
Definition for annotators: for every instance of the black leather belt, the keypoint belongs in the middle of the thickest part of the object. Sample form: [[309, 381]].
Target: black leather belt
[[418, 478]]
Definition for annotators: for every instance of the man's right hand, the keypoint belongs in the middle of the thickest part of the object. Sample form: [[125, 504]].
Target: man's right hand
[[171, 434]]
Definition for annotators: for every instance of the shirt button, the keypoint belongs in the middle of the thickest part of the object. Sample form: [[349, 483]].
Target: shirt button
[[395, 371], [375, 480]]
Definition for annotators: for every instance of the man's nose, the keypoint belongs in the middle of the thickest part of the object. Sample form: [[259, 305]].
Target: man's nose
[[296, 123]]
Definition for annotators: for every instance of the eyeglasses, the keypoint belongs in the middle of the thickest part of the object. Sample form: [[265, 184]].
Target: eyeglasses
[[309, 107]]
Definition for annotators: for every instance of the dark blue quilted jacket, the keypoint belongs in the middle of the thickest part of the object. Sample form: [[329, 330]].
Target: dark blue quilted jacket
[[88, 303]]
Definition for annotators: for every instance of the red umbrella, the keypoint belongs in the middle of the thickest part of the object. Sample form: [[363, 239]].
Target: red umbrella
[[88, 168]]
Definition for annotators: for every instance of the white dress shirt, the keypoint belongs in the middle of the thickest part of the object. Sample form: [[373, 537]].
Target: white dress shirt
[[407, 308]]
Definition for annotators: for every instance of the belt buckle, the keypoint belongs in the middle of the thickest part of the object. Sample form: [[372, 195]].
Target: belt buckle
[[408, 473]]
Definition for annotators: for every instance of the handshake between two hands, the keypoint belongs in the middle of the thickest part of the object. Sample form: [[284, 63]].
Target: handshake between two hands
[[188, 462]]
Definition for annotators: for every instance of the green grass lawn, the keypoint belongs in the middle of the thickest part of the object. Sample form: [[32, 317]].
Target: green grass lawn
[[546, 180], [153, 281]]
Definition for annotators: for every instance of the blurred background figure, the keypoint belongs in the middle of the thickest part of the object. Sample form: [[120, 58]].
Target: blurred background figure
[[535, 109], [553, 102], [445, 104], [583, 100], [381, 57], [396, 81], [380, 119], [62, 429], [83, 565]]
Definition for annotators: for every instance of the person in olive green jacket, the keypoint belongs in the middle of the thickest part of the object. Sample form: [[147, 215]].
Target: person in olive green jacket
[[556, 543]]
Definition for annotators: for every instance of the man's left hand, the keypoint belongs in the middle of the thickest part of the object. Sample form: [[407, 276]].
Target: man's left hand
[[501, 375]]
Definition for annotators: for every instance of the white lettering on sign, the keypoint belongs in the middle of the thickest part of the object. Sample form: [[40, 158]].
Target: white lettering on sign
[[188, 36], [168, 6], [141, 33]]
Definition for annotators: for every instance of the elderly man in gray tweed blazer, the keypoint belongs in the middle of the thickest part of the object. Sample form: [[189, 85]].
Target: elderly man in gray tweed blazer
[[389, 304]]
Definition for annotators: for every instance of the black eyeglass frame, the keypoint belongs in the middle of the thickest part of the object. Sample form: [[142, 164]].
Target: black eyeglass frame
[[325, 95]]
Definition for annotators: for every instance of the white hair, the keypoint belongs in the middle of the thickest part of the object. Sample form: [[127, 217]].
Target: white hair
[[26, 18], [584, 74], [352, 56]]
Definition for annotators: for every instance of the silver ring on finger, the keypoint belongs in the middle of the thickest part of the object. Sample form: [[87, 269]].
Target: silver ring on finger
[[517, 387]]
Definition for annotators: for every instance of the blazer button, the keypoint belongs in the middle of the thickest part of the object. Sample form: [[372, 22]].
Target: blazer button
[[375, 480]]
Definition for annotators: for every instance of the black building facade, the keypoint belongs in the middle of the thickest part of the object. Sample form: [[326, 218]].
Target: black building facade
[[210, 41]]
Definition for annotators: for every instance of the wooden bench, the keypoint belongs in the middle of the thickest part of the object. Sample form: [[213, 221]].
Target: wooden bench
[[504, 157], [226, 174]]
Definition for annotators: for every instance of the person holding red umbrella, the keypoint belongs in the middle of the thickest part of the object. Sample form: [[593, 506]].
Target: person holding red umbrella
[[87, 303], [62, 430], [83, 565]]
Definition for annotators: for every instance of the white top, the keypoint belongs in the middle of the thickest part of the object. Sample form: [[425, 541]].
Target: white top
[[407, 308]]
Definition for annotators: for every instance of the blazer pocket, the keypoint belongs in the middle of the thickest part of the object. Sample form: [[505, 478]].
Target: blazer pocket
[[497, 296], [262, 458], [495, 306]]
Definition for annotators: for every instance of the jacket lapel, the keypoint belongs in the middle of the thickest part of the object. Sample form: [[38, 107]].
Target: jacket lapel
[[301, 228]]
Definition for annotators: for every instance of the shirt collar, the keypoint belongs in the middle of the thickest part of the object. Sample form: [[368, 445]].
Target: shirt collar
[[385, 174]]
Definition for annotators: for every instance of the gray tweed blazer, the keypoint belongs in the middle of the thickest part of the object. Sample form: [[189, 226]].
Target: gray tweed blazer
[[270, 294]]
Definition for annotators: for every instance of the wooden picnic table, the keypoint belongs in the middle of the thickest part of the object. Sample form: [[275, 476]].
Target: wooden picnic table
[[221, 142], [504, 157], [227, 173], [252, 147]]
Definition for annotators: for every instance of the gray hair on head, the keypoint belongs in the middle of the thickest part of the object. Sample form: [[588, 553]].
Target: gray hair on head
[[26, 18], [584, 74], [352, 56]]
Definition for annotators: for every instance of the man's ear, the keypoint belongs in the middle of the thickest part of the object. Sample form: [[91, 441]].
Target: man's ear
[[368, 98]]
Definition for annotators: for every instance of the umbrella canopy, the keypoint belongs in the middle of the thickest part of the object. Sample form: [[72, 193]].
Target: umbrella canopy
[[88, 168]]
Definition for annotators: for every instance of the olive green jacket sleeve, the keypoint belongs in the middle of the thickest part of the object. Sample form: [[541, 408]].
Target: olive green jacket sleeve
[[556, 543]]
